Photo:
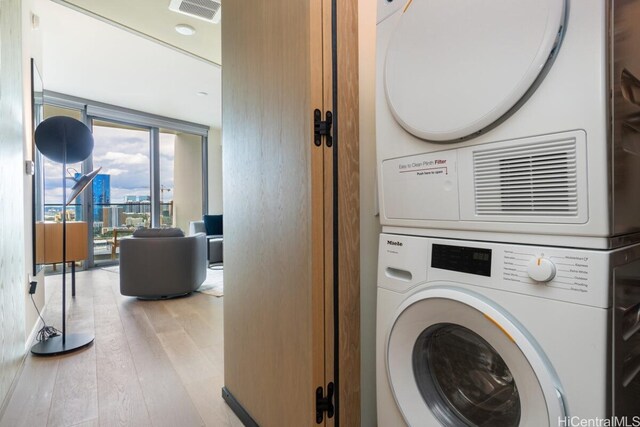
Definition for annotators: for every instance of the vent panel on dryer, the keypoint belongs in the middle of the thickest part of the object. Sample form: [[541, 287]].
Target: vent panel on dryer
[[538, 179]]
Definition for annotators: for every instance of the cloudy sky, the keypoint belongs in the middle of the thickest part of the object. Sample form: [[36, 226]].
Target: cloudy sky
[[124, 155]]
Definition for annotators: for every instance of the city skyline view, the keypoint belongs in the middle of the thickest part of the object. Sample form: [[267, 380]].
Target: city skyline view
[[123, 154]]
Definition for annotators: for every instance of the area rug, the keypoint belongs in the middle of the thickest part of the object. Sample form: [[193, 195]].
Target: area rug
[[213, 284]]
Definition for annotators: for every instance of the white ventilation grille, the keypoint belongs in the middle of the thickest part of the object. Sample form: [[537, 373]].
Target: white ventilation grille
[[209, 10], [538, 179]]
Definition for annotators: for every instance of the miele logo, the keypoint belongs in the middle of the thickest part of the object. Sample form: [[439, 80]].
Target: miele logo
[[391, 242]]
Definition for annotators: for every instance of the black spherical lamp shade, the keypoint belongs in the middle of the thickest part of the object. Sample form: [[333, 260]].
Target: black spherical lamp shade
[[60, 134]]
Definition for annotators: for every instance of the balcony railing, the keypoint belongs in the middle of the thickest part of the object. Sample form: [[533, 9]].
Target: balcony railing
[[111, 221]]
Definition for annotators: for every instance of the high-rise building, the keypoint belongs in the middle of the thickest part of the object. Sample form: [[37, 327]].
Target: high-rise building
[[131, 204], [101, 195], [112, 216], [101, 188], [137, 204], [145, 204]]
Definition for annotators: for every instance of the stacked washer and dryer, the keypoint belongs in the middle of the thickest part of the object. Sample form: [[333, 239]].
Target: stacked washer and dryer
[[508, 143]]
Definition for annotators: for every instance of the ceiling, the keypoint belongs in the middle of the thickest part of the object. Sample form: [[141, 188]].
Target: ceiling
[[152, 18], [90, 58]]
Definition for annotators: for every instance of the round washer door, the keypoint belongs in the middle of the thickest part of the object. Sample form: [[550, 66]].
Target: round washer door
[[453, 359], [456, 68]]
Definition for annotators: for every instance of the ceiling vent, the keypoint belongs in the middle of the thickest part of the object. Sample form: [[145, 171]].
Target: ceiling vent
[[207, 10]]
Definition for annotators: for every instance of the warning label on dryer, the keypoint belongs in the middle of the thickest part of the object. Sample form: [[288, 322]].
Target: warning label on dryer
[[425, 168]]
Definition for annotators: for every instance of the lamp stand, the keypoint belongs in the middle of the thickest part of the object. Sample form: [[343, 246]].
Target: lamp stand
[[63, 343]]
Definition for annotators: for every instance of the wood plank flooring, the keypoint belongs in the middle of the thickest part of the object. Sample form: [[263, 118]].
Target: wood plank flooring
[[153, 363]]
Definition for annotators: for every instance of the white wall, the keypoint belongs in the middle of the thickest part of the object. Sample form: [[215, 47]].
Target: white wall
[[369, 222], [215, 171], [11, 193], [32, 48], [187, 180], [16, 47]]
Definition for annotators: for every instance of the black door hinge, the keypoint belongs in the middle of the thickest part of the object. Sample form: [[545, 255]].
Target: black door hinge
[[321, 128], [324, 404]]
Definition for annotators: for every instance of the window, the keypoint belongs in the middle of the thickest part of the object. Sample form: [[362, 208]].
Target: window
[[153, 174]]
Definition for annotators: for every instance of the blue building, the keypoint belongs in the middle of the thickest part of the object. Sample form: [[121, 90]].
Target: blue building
[[101, 187], [101, 195]]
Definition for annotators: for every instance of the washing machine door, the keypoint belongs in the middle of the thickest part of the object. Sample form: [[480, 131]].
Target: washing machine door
[[456, 359], [457, 68]]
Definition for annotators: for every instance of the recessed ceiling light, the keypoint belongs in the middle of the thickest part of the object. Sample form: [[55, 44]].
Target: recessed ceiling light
[[185, 30], [202, 94]]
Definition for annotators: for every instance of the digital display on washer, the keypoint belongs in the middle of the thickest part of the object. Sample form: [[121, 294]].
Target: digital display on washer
[[462, 259]]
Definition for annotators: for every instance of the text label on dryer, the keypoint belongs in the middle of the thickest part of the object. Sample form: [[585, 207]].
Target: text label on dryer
[[394, 243]]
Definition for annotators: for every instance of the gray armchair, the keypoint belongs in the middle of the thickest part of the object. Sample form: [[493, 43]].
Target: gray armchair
[[162, 267], [214, 242]]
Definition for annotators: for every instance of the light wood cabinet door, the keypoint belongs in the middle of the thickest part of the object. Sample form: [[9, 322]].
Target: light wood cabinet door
[[291, 211], [49, 251]]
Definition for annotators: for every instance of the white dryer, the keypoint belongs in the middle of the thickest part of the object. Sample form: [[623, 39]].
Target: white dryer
[[466, 336], [509, 116]]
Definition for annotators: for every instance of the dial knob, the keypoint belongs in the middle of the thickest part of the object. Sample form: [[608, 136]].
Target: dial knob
[[541, 269]]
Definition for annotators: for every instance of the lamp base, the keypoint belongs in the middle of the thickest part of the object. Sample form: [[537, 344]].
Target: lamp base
[[54, 346]]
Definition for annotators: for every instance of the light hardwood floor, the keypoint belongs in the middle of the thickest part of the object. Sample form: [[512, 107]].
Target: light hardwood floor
[[153, 363]]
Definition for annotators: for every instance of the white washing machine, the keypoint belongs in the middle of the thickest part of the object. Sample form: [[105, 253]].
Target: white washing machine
[[489, 334], [509, 116]]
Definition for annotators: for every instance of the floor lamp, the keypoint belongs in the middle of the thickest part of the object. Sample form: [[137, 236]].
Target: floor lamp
[[65, 140]]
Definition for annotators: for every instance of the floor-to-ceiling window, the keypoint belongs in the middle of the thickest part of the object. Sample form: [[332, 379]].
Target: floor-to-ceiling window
[[153, 174], [167, 190], [121, 199]]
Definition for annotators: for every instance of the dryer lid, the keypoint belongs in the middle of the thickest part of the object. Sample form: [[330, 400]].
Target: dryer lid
[[455, 68]]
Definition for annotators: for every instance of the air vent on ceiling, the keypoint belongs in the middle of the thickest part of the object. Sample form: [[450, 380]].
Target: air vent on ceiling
[[538, 179], [209, 10]]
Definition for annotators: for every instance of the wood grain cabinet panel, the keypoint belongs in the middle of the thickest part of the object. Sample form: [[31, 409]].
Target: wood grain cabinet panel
[[291, 312], [77, 242]]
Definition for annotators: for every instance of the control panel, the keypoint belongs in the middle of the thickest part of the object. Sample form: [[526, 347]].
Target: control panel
[[569, 271], [522, 265], [580, 276]]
